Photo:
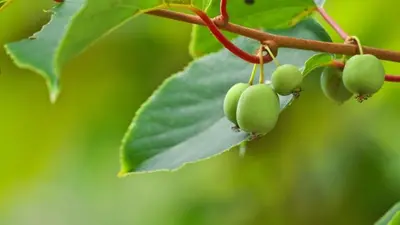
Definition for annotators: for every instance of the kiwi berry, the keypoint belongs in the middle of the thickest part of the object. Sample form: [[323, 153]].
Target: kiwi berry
[[258, 109], [363, 75], [286, 79], [332, 85], [231, 100]]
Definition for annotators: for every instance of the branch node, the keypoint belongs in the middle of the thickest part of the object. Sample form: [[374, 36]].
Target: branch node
[[220, 21], [353, 40], [272, 45]]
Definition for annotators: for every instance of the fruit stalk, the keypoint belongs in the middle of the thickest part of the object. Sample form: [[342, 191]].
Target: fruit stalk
[[261, 52]]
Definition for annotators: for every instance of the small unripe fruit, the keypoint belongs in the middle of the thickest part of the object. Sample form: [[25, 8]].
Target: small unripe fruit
[[286, 79], [332, 85], [363, 74], [258, 109], [231, 100]]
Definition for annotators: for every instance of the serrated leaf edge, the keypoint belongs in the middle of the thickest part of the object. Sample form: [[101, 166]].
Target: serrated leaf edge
[[53, 85]]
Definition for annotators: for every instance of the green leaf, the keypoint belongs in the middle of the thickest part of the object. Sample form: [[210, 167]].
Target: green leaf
[[2, 2], [183, 121], [74, 26], [268, 14], [392, 217], [317, 61]]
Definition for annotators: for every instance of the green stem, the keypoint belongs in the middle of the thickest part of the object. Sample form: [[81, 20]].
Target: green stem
[[253, 73], [261, 81], [272, 55], [358, 44]]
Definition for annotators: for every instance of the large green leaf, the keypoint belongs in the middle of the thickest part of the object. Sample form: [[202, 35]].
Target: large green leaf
[[74, 26], [268, 14], [184, 122], [392, 217]]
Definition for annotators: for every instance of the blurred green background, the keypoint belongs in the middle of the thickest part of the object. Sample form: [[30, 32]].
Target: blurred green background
[[323, 164]]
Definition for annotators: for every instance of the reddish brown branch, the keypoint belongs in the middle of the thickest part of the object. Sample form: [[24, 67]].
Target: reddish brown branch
[[228, 44], [223, 11], [284, 41], [392, 78]]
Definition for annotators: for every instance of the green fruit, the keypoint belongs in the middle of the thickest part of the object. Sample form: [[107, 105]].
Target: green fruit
[[286, 79], [231, 100], [332, 85], [258, 109], [363, 74]]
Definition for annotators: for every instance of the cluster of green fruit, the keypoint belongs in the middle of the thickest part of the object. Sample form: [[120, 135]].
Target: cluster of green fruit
[[362, 75], [255, 108]]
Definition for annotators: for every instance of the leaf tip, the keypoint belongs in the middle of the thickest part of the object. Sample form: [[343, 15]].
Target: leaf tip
[[125, 167], [24, 59], [122, 174], [54, 91]]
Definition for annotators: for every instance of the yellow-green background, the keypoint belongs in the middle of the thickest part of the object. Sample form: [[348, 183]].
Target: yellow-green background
[[323, 164]]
